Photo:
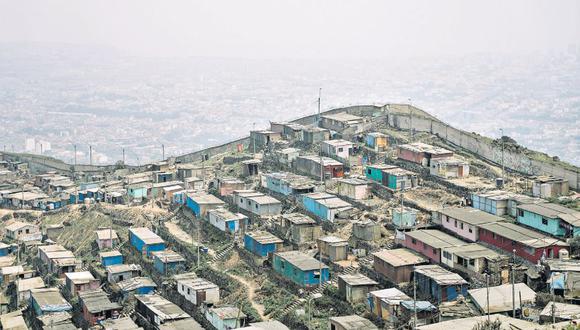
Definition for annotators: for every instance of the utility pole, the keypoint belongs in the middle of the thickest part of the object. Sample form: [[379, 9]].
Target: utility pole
[[319, 99], [487, 290], [162, 151], [320, 265], [74, 173], [198, 242], [41, 149], [513, 284], [321, 164], [502, 151], [253, 138], [90, 155], [553, 300], [414, 299], [411, 132], [123, 156]]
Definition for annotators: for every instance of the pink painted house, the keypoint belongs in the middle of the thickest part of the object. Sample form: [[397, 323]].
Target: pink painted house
[[429, 242], [81, 281], [465, 221]]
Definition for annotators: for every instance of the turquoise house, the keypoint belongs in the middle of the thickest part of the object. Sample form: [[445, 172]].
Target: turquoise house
[[138, 191], [404, 217], [550, 218], [375, 172], [300, 268]]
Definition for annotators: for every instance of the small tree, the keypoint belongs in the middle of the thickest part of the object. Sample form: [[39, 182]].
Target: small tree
[[575, 246]]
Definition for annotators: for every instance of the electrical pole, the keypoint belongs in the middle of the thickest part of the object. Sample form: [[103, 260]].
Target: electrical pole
[[411, 119], [321, 165], [553, 300], [74, 173], [319, 99], [320, 265], [90, 155], [414, 299], [487, 289], [163, 152], [41, 149], [513, 284], [502, 151], [123, 156], [253, 138]]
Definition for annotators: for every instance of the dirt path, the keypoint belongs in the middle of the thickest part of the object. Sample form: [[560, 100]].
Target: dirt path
[[252, 286], [181, 235]]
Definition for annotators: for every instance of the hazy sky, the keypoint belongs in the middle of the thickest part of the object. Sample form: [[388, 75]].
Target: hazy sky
[[296, 28]]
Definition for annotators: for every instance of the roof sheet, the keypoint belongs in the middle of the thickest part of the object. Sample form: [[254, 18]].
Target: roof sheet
[[400, 257], [146, 235], [301, 260], [357, 279], [440, 275], [264, 237], [423, 147], [500, 297], [470, 215], [353, 322], [162, 307], [97, 301], [520, 234], [435, 238]]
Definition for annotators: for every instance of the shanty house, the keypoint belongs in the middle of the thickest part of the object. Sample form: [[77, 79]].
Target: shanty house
[[118, 273], [398, 179], [81, 281], [200, 203], [265, 138], [287, 184], [527, 243], [227, 221], [286, 156], [262, 243], [106, 238], [561, 312], [300, 268], [397, 265], [310, 165], [159, 311], [257, 203], [337, 148], [500, 298], [23, 231], [197, 290], [48, 301], [440, 283], [550, 218], [333, 248], [354, 288], [549, 186], [97, 307], [404, 217], [325, 206], [251, 167], [313, 134], [448, 168], [351, 322], [474, 258], [422, 153], [137, 285], [385, 303], [375, 172], [429, 242], [166, 261], [227, 186], [499, 202], [111, 258], [225, 317], [340, 121], [23, 287], [300, 228], [465, 221], [145, 241], [377, 141], [353, 188], [366, 230]]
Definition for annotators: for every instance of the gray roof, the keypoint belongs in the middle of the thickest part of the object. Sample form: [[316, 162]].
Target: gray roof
[[562, 311], [400, 257], [146, 235], [298, 218], [435, 238], [97, 301], [520, 234], [357, 279], [162, 307], [267, 325], [264, 237], [300, 260], [50, 300], [183, 324], [470, 215], [440, 275], [427, 148], [353, 322], [122, 323], [475, 251], [554, 211], [227, 312], [500, 297]]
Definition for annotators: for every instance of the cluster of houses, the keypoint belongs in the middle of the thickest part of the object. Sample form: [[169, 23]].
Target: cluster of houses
[[285, 211]]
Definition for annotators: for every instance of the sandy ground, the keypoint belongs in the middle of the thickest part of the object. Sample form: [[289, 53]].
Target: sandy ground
[[181, 235]]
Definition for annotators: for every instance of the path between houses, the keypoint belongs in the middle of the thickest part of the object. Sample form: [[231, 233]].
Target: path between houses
[[180, 234], [252, 286]]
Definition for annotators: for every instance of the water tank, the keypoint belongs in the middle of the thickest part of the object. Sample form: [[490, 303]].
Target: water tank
[[564, 254], [499, 183]]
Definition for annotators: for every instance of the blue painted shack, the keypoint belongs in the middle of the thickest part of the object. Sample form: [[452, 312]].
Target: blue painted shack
[[325, 206], [262, 243], [4, 249], [145, 241], [137, 285], [440, 283], [111, 258], [138, 190], [550, 218], [377, 141], [300, 268], [167, 261], [405, 217], [200, 203], [375, 172], [48, 301]]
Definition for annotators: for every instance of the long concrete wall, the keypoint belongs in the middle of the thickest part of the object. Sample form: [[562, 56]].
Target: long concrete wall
[[514, 158]]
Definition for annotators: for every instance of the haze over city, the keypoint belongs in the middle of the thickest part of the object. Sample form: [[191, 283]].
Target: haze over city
[[194, 74]]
